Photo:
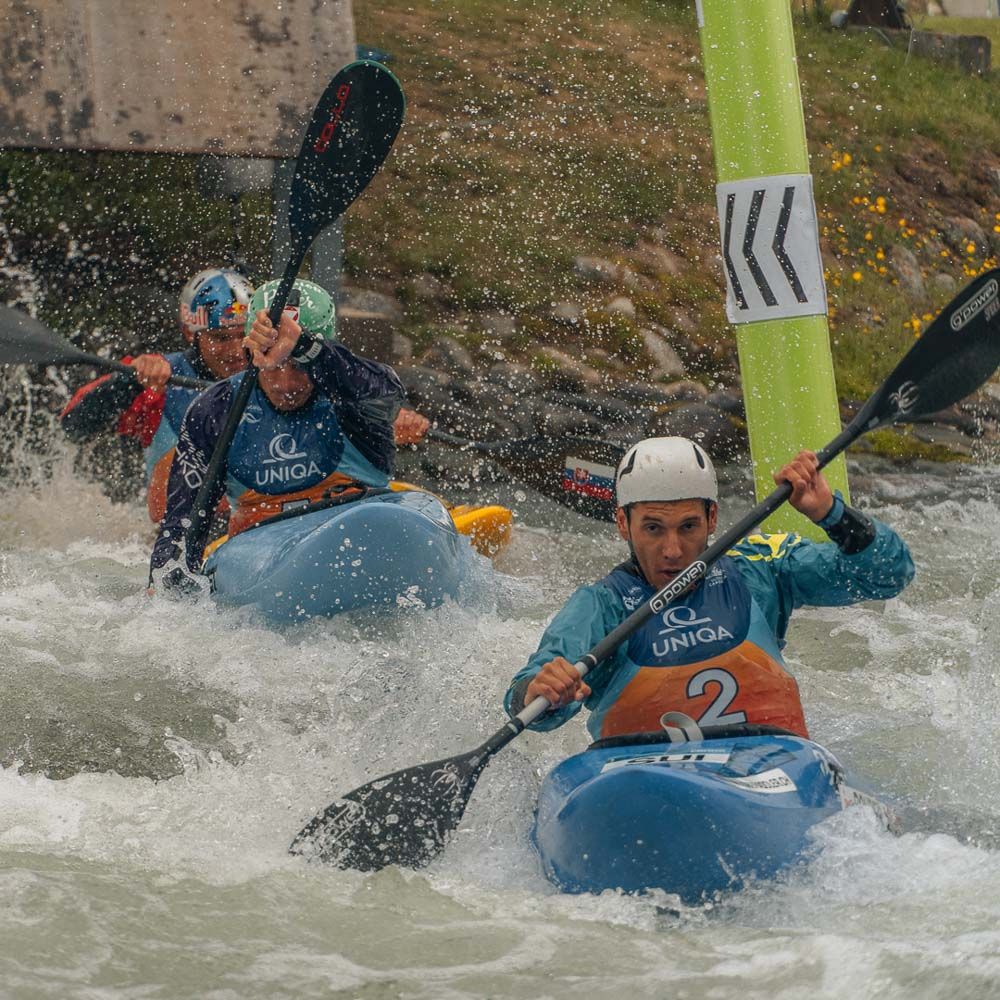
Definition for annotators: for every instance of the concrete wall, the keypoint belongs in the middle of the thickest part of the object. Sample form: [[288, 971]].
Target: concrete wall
[[970, 8], [235, 77]]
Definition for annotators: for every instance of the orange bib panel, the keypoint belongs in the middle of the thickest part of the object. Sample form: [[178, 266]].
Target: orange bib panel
[[742, 685], [253, 507], [156, 491]]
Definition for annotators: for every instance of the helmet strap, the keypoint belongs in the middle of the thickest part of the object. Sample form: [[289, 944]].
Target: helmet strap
[[631, 548]]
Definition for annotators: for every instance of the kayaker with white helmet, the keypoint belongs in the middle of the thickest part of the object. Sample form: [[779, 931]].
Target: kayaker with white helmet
[[212, 315], [715, 655], [319, 423]]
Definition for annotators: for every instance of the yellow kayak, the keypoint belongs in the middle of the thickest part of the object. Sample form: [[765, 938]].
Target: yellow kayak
[[488, 528]]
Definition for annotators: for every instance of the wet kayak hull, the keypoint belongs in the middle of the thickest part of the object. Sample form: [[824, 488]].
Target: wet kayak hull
[[388, 550], [695, 818]]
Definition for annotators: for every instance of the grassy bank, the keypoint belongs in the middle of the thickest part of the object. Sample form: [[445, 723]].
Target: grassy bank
[[539, 132]]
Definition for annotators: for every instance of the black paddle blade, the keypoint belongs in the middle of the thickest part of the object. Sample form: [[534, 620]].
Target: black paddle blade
[[351, 132], [348, 138], [404, 818], [957, 353], [26, 341]]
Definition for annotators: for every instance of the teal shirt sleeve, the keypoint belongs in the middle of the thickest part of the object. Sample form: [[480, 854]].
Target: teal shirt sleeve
[[785, 572], [586, 618]]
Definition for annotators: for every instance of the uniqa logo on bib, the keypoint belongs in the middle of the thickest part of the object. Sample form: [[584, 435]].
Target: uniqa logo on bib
[[285, 464], [685, 630]]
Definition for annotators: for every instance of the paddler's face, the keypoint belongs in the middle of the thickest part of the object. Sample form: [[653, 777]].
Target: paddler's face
[[667, 537], [287, 387], [222, 350]]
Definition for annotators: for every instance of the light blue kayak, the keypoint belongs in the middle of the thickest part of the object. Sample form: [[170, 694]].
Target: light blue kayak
[[692, 818], [391, 549]]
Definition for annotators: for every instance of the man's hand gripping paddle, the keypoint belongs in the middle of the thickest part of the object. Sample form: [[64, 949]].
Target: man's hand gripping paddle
[[26, 341], [405, 818], [350, 135]]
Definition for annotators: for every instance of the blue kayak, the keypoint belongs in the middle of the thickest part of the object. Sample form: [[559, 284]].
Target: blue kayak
[[692, 818], [395, 549]]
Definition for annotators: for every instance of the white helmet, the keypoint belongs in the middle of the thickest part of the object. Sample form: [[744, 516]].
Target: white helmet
[[665, 469]]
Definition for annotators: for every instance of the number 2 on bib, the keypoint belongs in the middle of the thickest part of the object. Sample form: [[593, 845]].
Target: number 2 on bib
[[715, 714]]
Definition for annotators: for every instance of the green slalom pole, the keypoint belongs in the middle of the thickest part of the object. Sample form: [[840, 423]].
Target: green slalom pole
[[776, 295]]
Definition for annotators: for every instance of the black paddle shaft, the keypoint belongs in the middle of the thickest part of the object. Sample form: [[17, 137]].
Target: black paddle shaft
[[348, 138], [405, 818], [25, 340]]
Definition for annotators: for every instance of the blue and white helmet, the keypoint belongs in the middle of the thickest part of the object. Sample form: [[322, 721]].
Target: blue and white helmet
[[213, 299]]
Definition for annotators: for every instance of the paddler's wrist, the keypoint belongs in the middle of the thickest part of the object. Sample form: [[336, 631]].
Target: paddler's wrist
[[307, 349], [849, 529], [834, 514], [518, 695]]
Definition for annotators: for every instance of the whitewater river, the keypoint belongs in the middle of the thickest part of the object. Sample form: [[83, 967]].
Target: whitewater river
[[158, 758]]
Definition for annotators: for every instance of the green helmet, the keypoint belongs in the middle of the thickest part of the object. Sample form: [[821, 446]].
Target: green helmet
[[316, 312]]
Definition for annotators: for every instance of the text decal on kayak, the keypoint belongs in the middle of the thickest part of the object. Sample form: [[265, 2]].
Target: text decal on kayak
[[770, 248]]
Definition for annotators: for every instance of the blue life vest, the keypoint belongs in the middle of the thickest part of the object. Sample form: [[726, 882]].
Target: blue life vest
[[712, 656], [176, 405], [276, 452]]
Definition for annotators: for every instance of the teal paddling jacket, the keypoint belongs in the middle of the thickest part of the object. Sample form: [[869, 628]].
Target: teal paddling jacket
[[745, 602]]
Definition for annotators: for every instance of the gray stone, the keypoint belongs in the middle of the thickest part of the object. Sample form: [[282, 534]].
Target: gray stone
[[605, 272], [659, 259], [667, 363], [369, 334], [366, 300], [561, 371], [729, 401], [557, 421], [402, 347], [984, 405], [427, 288], [960, 232], [994, 173], [604, 407], [518, 379], [719, 434], [943, 282], [447, 354], [476, 424], [621, 306], [423, 384], [948, 437], [955, 416], [662, 395], [567, 313], [907, 269], [500, 325]]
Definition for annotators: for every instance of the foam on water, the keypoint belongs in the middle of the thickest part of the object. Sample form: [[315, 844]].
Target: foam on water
[[160, 756]]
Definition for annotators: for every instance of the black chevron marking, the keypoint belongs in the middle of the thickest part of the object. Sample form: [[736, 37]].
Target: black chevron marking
[[758, 275], [730, 266], [778, 246]]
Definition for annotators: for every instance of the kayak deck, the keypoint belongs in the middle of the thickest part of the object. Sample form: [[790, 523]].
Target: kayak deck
[[693, 818], [392, 549]]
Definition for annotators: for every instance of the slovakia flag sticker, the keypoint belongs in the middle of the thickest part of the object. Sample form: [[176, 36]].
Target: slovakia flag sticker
[[588, 479]]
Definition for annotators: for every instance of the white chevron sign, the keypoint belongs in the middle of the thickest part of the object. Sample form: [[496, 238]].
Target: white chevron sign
[[770, 248]]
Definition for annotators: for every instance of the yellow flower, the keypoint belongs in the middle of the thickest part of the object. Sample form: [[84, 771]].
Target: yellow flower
[[879, 255], [847, 159], [970, 248], [878, 149], [902, 223], [856, 275], [868, 235]]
